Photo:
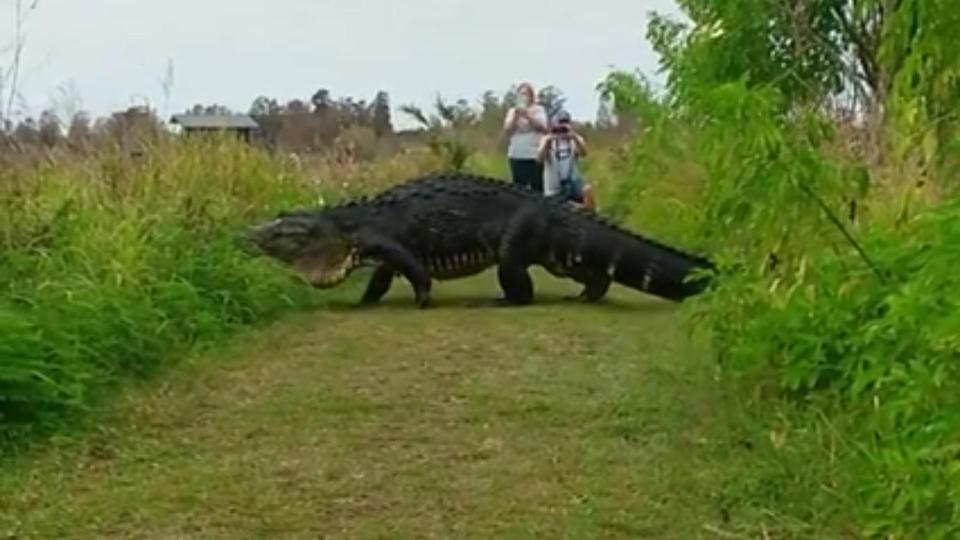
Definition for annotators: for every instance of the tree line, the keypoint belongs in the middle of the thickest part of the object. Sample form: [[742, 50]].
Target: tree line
[[313, 123]]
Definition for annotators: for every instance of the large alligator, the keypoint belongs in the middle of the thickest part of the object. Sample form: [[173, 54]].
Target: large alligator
[[448, 226]]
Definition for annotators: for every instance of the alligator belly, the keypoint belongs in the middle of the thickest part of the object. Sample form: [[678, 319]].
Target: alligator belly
[[458, 266]]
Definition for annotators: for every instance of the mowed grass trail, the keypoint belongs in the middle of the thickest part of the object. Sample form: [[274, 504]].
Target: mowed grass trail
[[557, 420]]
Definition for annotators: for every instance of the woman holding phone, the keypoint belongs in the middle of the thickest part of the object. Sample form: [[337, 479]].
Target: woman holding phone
[[525, 125]]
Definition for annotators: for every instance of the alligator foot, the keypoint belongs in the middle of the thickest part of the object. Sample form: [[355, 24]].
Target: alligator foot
[[422, 300], [595, 288], [366, 304], [583, 298]]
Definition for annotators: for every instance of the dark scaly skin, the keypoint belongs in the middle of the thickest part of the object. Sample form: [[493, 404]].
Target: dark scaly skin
[[449, 226]]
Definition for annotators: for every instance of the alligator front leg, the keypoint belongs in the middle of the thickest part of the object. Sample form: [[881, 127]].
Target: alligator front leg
[[378, 285], [398, 259]]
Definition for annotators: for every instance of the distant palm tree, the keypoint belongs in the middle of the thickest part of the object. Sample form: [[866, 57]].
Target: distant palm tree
[[444, 130]]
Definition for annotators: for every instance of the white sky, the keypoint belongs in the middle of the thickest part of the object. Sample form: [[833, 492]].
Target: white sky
[[114, 53]]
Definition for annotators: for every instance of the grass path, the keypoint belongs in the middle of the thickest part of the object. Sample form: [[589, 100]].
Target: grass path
[[551, 421]]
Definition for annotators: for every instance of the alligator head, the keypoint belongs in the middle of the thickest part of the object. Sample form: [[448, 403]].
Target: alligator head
[[314, 245]]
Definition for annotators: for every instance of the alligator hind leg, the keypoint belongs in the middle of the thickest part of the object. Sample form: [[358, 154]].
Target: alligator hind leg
[[378, 285], [518, 249], [516, 283], [595, 288]]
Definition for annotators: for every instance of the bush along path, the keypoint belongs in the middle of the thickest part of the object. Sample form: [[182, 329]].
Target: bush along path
[[557, 420]]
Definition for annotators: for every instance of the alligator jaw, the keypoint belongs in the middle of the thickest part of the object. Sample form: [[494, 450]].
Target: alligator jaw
[[326, 277]]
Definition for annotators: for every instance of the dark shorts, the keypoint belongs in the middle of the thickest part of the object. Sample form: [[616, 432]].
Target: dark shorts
[[572, 190], [527, 172]]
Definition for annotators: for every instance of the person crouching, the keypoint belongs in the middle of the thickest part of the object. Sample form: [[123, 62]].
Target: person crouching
[[560, 152]]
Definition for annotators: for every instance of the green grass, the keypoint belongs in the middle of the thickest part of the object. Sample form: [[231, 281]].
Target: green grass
[[556, 420], [112, 265]]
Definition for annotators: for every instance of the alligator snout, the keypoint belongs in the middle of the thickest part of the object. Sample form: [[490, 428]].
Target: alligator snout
[[249, 240]]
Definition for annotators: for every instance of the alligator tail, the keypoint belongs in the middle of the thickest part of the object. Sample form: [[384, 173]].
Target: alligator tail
[[660, 270]]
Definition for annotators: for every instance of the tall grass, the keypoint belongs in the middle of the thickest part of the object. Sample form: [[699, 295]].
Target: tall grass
[[838, 332], [112, 265]]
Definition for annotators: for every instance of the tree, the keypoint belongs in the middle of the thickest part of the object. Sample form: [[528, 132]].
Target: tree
[[551, 98], [199, 109], [321, 101], [457, 114], [510, 97], [49, 129], [850, 54], [79, 131], [444, 128], [809, 50], [26, 132], [296, 106], [264, 106], [382, 124], [10, 79], [493, 109], [605, 116]]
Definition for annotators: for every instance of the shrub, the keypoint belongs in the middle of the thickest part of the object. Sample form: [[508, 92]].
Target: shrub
[[836, 323]]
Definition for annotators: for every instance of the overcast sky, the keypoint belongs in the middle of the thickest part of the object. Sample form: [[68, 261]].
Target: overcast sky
[[115, 53]]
